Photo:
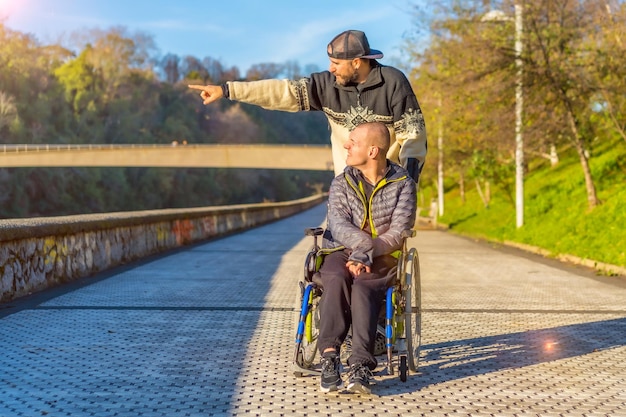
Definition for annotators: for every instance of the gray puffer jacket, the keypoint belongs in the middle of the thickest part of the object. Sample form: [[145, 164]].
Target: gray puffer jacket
[[390, 210]]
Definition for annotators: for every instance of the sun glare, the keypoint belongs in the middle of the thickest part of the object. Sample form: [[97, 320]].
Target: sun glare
[[7, 7]]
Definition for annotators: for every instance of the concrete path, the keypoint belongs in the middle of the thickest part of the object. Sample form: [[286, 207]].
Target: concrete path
[[208, 331]]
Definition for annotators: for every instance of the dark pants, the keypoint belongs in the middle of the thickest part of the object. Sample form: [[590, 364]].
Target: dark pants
[[346, 300]]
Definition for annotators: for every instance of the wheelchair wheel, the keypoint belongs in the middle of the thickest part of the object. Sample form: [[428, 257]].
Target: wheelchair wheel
[[309, 264], [305, 356], [311, 333], [308, 321], [403, 368], [413, 314]]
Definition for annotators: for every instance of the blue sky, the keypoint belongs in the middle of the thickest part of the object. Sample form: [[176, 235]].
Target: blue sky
[[235, 32]]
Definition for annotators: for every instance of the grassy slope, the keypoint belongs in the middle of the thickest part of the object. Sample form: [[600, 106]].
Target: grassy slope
[[556, 215]]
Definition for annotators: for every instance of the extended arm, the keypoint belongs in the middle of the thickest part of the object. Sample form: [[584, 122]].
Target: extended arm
[[285, 95]]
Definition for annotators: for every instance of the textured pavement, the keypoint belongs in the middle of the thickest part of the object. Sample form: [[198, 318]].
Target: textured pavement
[[209, 331]]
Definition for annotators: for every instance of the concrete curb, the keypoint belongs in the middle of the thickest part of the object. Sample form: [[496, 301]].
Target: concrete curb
[[599, 266]]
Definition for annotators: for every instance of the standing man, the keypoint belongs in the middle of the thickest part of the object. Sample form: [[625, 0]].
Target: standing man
[[370, 204], [356, 89]]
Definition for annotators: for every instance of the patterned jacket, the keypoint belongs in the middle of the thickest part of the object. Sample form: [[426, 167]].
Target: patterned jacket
[[386, 96], [390, 210]]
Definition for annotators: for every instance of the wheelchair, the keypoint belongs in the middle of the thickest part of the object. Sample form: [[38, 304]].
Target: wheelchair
[[401, 333]]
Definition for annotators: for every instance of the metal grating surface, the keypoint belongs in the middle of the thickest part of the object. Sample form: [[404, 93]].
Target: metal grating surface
[[209, 332]]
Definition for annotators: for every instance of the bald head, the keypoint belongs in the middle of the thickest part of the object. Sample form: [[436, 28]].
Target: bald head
[[367, 148], [375, 134]]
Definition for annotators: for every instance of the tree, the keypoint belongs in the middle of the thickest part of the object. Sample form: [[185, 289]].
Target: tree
[[609, 64], [193, 69], [8, 111], [82, 84], [264, 71], [558, 60], [574, 75], [114, 54], [291, 70], [26, 78], [215, 70], [465, 89], [170, 65]]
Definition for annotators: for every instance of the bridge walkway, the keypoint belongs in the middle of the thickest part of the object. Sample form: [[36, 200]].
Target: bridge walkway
[[208, 331]]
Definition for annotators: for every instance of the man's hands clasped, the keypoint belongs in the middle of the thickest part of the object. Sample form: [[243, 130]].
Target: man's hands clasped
[[356, 268]]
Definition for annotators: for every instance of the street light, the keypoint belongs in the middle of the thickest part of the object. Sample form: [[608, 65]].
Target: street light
[[497, 15]]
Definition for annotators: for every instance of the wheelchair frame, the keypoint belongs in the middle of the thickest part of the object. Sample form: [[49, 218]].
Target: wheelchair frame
[[402, 306]]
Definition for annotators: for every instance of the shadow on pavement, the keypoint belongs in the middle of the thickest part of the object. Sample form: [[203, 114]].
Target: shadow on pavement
[[443, 362]]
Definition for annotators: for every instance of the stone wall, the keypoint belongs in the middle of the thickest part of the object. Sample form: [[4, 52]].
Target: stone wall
[[39, 253]]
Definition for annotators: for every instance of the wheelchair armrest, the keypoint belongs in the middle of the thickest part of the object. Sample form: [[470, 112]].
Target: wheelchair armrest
[[408, 233], [313, 231]]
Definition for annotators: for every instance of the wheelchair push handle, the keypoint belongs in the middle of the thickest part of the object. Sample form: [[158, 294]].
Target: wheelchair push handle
[[313, 231], [408, 233]]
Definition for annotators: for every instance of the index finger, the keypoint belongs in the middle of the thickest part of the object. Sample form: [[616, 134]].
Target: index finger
[[196, 86]]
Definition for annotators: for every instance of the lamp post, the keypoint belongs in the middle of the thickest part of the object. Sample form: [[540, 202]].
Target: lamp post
[[440, 190], [519, 104], [497, 15]]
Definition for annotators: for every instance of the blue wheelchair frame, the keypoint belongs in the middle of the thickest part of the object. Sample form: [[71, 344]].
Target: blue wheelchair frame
[[402, 311]]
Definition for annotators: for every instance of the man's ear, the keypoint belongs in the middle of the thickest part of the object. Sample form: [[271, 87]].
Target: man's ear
[[374, 151]]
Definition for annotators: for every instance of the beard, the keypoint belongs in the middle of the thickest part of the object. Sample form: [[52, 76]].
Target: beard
[[348, 79]]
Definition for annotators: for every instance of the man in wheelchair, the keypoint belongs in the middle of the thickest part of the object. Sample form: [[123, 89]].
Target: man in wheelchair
[[369, 206]]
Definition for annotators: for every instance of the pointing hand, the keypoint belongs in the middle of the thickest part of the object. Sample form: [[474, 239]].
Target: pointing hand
[[209, 93]]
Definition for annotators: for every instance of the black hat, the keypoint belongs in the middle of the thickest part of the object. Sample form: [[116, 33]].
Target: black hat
[[352, 44]]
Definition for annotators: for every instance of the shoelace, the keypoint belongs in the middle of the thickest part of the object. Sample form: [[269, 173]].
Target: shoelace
[[328, 366], [360, 372]]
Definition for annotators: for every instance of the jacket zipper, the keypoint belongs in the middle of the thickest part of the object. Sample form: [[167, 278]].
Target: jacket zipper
[[368, 205]]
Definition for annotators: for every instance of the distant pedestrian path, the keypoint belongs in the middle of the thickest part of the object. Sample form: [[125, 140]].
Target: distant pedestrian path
[[263, 156], [209, 331]]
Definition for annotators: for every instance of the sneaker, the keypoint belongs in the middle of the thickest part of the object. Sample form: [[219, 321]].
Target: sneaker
[[331, 378], [359, 379]]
